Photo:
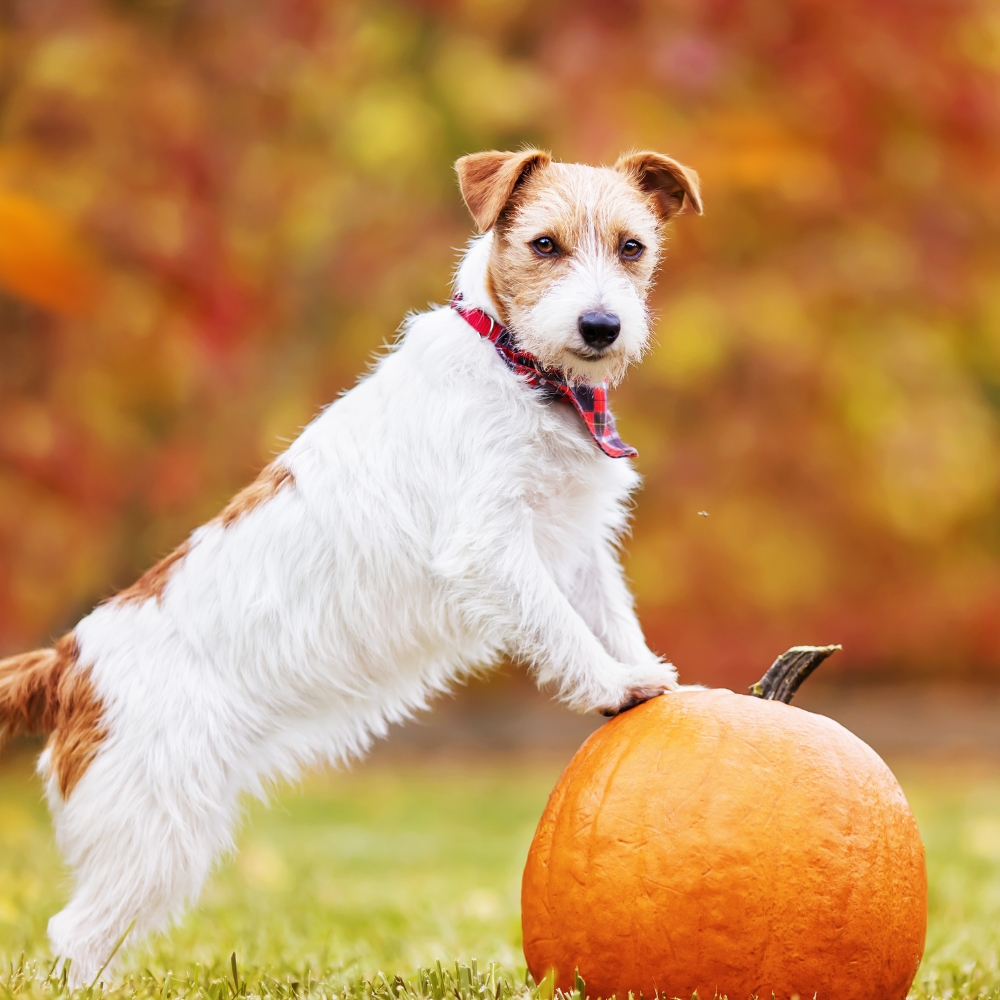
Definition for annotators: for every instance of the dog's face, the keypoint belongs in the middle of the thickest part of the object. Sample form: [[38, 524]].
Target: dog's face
[[574, 251]]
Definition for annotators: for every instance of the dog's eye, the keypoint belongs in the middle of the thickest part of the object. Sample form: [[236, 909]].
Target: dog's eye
[[631, 249], [545, 245]]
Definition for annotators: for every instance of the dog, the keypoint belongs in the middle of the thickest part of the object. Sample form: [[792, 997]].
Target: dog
[[462, 503]]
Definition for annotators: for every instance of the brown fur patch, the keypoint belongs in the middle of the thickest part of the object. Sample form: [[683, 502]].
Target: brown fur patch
[[28, 685], [153, 582], [589, 212], [47, 691], [79, 729], [584, 209], [274, 478]]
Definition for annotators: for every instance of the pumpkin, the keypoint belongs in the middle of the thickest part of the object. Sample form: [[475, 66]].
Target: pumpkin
[[730, 845]]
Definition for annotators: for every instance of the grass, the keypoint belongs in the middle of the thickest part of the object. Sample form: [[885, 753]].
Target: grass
[[356, 879], [958, 811], [381, 869]]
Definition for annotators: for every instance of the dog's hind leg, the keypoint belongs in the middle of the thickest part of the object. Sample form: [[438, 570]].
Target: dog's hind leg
[[139, 851]]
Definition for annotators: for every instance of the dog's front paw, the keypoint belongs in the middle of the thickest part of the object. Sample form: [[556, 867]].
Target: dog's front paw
[[636, 696]]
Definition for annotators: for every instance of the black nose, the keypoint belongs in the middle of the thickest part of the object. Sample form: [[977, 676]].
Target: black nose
[[599, 329]]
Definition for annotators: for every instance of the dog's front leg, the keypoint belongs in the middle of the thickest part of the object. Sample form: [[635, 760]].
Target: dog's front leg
[[543, 628], [603, 599]]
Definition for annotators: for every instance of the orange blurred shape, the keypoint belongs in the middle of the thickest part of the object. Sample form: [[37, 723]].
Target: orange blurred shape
[[747, 150], [43, 261]]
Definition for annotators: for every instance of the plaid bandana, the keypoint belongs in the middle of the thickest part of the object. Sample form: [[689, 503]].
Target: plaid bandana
[[591, 402]]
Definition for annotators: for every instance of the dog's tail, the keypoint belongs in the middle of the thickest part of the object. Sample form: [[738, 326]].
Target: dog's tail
[[30, 689]]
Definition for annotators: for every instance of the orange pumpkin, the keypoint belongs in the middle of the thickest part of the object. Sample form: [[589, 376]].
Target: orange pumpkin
[[715, 842]]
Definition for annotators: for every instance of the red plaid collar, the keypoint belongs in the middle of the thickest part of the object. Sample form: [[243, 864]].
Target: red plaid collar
[[590, 401]]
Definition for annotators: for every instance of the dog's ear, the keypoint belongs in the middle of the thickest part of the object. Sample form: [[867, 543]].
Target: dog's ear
[[488, 180], [672, 185]]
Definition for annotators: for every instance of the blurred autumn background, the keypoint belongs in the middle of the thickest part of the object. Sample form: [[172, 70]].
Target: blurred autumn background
[[213, 213]]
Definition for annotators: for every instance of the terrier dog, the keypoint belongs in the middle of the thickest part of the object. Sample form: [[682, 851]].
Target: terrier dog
[[463, 502]]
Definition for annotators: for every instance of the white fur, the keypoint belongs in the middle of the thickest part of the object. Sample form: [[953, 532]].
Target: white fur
[[442, 515]]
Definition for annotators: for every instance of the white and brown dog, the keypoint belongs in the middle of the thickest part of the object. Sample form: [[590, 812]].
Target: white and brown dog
[[463, 502]]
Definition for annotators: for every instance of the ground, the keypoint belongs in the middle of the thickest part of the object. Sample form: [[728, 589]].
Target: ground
[[352, 879]]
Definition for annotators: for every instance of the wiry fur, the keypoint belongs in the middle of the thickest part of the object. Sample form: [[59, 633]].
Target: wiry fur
[[438, 516]]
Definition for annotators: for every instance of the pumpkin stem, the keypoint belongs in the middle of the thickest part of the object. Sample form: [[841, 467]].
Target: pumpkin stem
[[788, 671]]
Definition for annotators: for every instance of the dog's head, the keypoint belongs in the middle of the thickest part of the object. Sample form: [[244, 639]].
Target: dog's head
[[574, 250]]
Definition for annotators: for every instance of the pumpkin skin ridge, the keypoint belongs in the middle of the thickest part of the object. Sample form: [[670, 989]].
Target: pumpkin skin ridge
[[566, 973], [841, 834], [552, 809], [549, 822]]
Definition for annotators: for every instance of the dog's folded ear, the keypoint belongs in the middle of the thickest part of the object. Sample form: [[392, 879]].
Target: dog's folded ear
[[489, 179], [672, 185]]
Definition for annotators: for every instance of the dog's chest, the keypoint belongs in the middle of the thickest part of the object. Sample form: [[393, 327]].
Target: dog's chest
[[575, 493]]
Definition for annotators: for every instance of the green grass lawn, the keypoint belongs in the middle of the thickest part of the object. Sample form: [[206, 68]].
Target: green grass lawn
[[353, 879]]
